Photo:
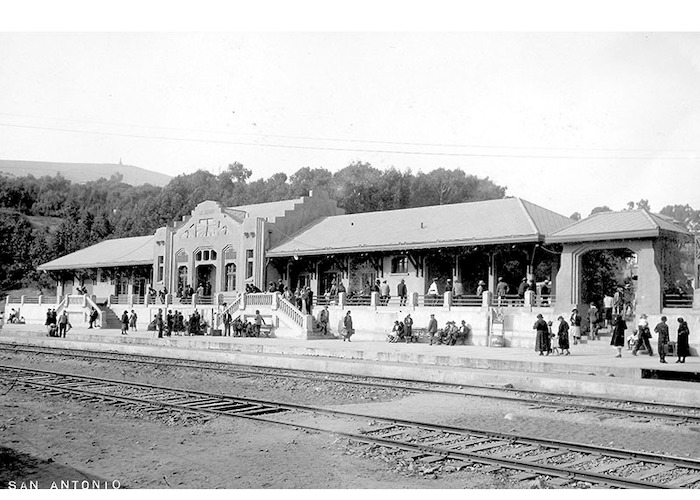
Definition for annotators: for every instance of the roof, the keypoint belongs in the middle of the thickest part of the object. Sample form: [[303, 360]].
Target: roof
[[111, 253], [629, 224], [509, 220], [268, 210]]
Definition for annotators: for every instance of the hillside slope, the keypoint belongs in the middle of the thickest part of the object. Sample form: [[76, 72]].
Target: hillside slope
[[83, 172]]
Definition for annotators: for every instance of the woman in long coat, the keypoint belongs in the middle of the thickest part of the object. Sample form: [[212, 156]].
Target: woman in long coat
[[682, 343], [563, 335], [618, 334], [542, 339]]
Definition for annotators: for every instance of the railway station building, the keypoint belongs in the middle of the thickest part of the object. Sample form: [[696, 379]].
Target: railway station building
[[220, 252]]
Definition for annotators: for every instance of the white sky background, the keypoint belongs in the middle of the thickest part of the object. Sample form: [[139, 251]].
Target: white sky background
[[492, 104]]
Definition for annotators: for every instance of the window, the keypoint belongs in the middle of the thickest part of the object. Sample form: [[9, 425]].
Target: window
[[205, 255], [161, 268], [249, 264], [182, 277], [399, 265], [230, 271]]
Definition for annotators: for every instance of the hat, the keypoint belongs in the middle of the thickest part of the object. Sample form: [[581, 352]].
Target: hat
[[449, 280], [481, 282], [539, 316]]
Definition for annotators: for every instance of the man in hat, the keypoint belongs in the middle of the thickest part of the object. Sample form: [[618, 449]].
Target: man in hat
[[522, 288], [643, 336], [402, 292], [480, 288], [432, 328], [502, 289]]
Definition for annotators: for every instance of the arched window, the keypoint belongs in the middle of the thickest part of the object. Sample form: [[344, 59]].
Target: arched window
[[182, 277], [230, 271]]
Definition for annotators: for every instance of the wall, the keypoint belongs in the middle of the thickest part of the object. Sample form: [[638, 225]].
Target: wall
[[568, 280]]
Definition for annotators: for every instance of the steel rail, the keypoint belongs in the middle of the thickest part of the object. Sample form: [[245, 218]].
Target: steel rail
[[398, 384], [269, 406]]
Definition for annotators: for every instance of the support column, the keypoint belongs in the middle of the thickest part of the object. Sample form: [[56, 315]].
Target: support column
[[492, 273]]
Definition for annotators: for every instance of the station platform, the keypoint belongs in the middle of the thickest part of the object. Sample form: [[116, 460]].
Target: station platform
[[591, 370]]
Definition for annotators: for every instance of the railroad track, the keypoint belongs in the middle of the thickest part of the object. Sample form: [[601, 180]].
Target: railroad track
[[677, 414], [448, 447]]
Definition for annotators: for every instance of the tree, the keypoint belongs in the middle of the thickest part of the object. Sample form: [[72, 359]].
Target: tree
[[684, 215], [598, 210], [575, 216]]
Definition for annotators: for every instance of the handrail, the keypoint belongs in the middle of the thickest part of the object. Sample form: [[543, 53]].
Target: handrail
[[467, 300], [290, 311], [259, 299], [231, 309], [61, 305]]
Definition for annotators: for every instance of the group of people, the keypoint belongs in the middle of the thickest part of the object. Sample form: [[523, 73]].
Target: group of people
[[402, 330], [57, 325], [449, 335], [640, 340], [502, 290], [14, 317], [547, 342], [241, 327]]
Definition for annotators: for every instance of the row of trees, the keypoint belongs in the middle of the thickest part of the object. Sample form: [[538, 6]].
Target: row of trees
[[83, 214]]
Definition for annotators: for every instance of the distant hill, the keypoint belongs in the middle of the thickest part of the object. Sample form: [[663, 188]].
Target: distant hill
[[83, 172]]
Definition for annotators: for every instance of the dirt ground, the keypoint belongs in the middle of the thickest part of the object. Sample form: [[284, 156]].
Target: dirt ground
[[52, 438]]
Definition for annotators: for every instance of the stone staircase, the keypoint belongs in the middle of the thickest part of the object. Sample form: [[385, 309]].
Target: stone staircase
[[110, 320]]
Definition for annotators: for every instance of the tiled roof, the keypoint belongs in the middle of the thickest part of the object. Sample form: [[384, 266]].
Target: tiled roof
[[628, 224], [110, 253], [509, 220]]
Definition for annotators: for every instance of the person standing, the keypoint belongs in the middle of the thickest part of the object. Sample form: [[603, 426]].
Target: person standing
[[227, 324], [125, 323], [643, 336], [480, 288], [662, 331], [575, 326], [159, 323], [542, 335], [618, 334], [433, 292], [682, 344], [63, 324], [402, 293], [132, 320], [323, 317], [607, 309], [522, 288], [347, 327], [259, 322], [593, 321], [408, 327], [563, 336], [385, 293], [169, 323], [458, 289], [432, 328], [502, 289]]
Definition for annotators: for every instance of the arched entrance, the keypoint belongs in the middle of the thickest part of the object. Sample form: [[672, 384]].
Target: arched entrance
[[206, 278], [605, 271]]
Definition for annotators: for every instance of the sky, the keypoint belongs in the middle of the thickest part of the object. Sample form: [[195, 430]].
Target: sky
[[569, 120]]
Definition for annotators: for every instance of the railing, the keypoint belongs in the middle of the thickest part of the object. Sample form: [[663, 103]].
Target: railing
[[290, 311], [509, 301], [14, 300], [431, 300], [545, 300], [231, 309], [139, 300], [76, 300], [467, 301], [259, 299], [677, 300], [359, 300], [322, 300], [205, 300], [121, 299]]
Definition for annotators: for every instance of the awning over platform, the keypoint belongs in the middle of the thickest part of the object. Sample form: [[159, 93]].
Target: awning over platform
[[509, 220], [111, 253], [629, 224]]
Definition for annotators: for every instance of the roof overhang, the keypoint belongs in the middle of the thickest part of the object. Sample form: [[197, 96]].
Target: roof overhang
[[94, 265], [618, 235], [401, 247]]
